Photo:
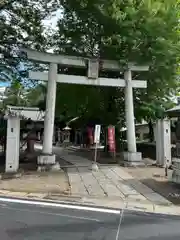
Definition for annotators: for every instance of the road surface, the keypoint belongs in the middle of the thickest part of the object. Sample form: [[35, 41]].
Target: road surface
[[26, 221]]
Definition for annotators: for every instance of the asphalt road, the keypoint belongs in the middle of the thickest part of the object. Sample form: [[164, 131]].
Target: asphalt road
[[29, 222]]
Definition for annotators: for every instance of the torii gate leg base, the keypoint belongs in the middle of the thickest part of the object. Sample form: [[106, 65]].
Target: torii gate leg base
[[48, 163], [132, 159]]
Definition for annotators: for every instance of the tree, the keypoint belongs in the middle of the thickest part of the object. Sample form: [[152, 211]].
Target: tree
[[152, 111], [36, 96], [18, 95], [15, 94], [145, 31], [21, 23]]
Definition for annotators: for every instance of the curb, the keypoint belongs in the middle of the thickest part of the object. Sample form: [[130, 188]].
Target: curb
[[88, 198], [141, 206]]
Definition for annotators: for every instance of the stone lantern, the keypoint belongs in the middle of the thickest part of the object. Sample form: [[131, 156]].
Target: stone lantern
[[66, 133]]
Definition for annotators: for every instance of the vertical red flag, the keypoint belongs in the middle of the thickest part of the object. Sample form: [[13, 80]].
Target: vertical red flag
[[111, 139], [90, 135]]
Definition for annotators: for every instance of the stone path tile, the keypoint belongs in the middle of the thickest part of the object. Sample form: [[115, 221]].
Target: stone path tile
[[121, 173], [127, 190], [155, 197], [119, 182], [76, 183], [90, 182], [66, 155], [109, 181], [107, 185], [76, 160], [147, 192], [140, 187]]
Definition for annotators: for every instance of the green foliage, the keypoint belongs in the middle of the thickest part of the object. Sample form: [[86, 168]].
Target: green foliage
[[36, 96], [145, 31], [18, 95], [15, 94], [153, 110], [142, 31], [20, 24]]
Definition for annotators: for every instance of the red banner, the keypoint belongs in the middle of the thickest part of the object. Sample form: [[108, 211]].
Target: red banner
[[90, 135], [111, 139]]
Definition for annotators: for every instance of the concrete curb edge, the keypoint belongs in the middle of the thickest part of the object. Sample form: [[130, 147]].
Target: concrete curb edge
[[96, 202]]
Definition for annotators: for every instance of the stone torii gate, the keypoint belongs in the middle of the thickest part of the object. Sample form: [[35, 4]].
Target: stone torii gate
[[132, 156]]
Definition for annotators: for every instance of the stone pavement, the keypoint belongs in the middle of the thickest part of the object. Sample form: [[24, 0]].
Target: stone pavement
[[110, 181], [111, 186], [74, 160]]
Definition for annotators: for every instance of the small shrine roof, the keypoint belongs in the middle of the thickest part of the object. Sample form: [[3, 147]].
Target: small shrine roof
[[26, 113]]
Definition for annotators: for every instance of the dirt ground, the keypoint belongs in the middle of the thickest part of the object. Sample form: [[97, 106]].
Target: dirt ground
[[154, 177], [38, 182], [30, 180]]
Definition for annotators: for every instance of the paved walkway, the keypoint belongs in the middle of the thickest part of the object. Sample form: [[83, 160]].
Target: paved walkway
[[110, 181], [112, 186]]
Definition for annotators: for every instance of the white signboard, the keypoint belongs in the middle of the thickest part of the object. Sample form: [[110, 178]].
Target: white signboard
[[97, 134]]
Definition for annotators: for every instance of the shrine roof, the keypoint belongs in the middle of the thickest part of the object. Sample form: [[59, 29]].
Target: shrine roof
[[26, 113]]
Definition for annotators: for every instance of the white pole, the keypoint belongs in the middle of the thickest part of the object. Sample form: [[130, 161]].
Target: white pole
[[95, 153], [129, 109], [94, 165], [50, 109]]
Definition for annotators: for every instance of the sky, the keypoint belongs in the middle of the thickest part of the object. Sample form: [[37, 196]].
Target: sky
[[4, 84]]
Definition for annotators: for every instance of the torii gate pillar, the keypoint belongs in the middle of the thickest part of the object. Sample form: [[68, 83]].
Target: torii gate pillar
[[131, 157], [47, 157]]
